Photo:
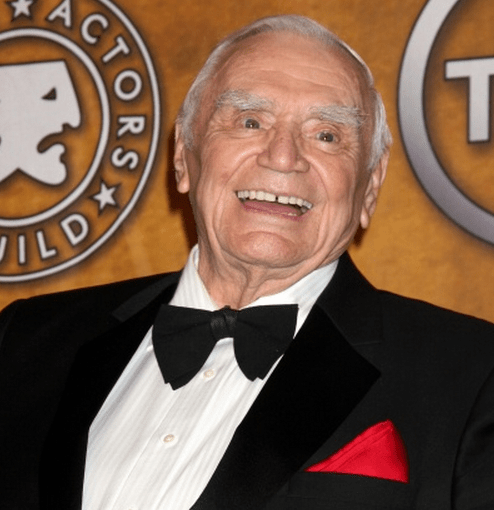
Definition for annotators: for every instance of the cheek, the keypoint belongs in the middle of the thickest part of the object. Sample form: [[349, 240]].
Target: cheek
[[225, 169], [213, 190], [343, 198], [209, 179], [340, 187], [217, 167]]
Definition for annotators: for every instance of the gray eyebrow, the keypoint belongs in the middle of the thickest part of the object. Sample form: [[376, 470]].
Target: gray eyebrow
[[245, 101], [340, 114], [242, 100]]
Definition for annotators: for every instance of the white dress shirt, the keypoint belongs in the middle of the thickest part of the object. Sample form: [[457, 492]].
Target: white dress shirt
[[154, 448]]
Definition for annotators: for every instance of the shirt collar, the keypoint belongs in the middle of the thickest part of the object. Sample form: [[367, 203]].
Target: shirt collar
[[192, 293]]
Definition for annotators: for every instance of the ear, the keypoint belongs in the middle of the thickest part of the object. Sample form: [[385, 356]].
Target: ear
[[180, 161], [376, 179]]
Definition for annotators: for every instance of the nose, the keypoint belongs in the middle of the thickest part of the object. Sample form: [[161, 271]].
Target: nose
[[283, 152]]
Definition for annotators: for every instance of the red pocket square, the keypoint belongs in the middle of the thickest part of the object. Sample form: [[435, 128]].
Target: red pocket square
[[378, 452]]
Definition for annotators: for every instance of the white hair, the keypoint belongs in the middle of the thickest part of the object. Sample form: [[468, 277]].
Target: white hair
[[381, 136]]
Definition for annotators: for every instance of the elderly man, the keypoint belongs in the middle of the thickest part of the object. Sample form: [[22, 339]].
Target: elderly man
[[321, 392]]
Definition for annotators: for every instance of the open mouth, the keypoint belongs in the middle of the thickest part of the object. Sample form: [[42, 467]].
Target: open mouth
[[297, 205]]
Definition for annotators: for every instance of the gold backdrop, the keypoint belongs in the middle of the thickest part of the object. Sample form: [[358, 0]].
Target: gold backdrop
[[411, 247]]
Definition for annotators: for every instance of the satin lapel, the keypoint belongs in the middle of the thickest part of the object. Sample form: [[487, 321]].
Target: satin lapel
[[316, 385], [353, 305], [95, 371]]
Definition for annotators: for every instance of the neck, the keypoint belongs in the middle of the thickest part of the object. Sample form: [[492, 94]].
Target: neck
[[239, 284]]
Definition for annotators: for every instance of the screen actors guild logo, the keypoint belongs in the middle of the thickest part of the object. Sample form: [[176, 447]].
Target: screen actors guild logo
[[435, 148], [79, 123]]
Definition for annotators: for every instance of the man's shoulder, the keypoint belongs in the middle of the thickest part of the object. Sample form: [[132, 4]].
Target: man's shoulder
[[115, 291], [89, 304], [413, 310], [357, 306], [428, 323]]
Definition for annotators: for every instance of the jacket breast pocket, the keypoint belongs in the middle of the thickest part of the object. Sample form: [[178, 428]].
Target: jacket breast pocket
[[324, 491]]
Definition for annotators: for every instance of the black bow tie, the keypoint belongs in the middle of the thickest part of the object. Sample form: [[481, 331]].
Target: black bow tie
[[183, 338]]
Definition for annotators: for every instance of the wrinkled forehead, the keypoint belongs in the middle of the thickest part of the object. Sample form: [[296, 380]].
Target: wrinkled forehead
[[327, 64]]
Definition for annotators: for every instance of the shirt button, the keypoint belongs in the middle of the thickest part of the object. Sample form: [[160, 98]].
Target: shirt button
[[169, 439], [209, 374]]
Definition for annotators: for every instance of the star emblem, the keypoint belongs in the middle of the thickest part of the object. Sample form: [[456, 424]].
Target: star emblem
[[105, 196], [21, 8]]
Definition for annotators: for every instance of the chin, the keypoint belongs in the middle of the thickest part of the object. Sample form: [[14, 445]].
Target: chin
[[267, 250]]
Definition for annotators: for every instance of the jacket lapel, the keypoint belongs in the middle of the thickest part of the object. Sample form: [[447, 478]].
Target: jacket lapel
[[316, 385], [93, 374]]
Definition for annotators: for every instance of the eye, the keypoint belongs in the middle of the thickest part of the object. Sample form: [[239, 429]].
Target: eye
[[326, 136], [251, 124], [51, 95]]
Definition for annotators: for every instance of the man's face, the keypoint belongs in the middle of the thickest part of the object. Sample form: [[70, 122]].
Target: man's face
[[278, 125]]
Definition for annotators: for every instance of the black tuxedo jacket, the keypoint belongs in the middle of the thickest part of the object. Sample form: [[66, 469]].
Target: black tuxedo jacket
[[362, 356]]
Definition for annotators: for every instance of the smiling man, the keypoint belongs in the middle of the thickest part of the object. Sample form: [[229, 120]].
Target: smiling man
[[278, 166], [268, 374]]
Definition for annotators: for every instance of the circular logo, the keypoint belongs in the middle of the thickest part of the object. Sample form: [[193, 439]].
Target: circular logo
[[433, 172], [79, 128]]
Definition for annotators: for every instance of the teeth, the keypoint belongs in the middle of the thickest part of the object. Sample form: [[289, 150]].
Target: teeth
[[304, 205]]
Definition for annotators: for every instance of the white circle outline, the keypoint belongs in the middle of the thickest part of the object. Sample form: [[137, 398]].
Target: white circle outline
[[145, 174], [105, 125], [456, 205]]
